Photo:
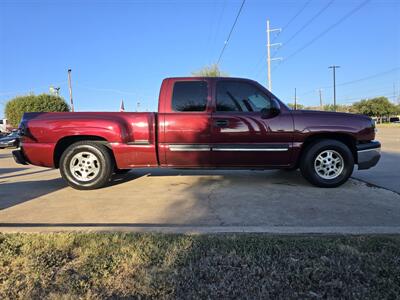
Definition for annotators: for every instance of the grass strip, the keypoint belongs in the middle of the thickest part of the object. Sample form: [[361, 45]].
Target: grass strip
[[162, 266]]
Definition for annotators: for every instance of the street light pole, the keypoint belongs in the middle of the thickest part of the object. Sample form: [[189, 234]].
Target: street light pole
[[70, 90], [334, 85], [320, 99]]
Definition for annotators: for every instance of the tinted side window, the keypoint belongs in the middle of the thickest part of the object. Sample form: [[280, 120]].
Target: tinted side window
[[190, 96], [240, 96]]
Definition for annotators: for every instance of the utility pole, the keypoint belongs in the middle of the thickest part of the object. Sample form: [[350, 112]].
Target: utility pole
[[334, 85], [70, 90], [137, 106], [295, 99], [320, 99], [269, 59]]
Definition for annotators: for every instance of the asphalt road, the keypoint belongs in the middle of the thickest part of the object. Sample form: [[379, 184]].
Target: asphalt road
[[37, 199]]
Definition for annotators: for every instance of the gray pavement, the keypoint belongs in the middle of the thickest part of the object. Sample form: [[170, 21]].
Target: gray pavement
[[387, 173], [36, 199]]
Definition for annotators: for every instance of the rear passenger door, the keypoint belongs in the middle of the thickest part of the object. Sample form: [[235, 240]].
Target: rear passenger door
[[186, 124]]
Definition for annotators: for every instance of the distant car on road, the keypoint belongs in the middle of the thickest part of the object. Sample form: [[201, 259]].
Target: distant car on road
[[9, 141], [394, 120]]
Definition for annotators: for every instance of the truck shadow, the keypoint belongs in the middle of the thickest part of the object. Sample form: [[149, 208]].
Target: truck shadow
[[291, 178], [7, 155], [14, 193], [23, 174], [11, 170]]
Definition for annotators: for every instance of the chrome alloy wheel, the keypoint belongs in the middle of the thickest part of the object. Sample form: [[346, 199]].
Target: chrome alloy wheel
[[329, 164], [84, 166]]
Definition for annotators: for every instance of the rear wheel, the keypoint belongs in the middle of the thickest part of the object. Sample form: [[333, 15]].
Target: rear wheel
[[327, 163], [86, 165]]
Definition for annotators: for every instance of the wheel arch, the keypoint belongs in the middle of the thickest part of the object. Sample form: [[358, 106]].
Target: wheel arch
[[347, 139], [63, 143]]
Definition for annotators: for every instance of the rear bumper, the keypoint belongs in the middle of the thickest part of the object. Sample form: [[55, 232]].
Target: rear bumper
[[368, 154], [19, 157]]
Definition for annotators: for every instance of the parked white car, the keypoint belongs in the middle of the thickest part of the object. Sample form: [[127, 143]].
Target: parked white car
[[4, 125]]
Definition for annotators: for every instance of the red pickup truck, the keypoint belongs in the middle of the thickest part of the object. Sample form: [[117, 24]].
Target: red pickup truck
[[201, 122]]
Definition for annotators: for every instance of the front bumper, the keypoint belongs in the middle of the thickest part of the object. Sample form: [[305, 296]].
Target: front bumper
[[19, 157], [368, 154]]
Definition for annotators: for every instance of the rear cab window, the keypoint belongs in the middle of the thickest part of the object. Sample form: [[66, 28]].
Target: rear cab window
[[190, 96]]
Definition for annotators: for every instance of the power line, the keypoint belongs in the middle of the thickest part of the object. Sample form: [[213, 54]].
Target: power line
[[230, 32], [296, 15], [284, 27], [307, 23], [219, 24], [369, 77], [342, 19], [211, 33], [349, 100], [357, 80]]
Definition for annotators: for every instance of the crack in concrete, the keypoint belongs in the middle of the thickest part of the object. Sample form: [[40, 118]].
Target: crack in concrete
[[211, 191], [370, 184]]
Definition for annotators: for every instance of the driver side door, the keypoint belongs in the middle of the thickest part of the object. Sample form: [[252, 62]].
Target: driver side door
[[243, 133]]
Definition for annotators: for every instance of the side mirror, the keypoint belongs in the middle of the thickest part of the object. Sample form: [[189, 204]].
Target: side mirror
[[271, 112]]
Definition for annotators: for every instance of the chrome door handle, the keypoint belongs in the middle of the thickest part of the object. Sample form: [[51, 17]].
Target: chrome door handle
[[221, 123]]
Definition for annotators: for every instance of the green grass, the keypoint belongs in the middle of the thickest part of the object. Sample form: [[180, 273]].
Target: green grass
[[104, 266]]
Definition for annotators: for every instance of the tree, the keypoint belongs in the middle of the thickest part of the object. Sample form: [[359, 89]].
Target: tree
[[16, 107], [339, 108], [376, 107], [299, 106], [210, 71], [398, 109]]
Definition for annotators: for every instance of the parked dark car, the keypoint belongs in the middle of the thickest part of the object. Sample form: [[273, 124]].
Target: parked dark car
[[394, 120], [9, 141]]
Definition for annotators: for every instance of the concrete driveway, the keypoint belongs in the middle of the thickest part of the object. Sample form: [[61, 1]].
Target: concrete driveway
[[37, 199], [387, 173]]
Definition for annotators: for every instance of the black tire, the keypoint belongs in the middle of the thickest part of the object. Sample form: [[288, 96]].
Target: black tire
[[310, 155], [104, 165]]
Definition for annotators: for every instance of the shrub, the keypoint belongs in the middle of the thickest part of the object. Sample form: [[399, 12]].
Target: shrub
[[16, 107]]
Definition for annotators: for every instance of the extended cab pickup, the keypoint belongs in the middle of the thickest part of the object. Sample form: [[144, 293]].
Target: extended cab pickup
[[201, 123]]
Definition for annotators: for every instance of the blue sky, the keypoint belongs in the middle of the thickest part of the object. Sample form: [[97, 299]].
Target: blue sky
[[123, 49]]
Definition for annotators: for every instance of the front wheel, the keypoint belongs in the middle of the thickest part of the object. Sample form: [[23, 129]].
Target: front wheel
[[86, 165], [327, 163]]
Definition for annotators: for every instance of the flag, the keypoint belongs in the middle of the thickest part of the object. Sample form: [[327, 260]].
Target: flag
[[122, 107]]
